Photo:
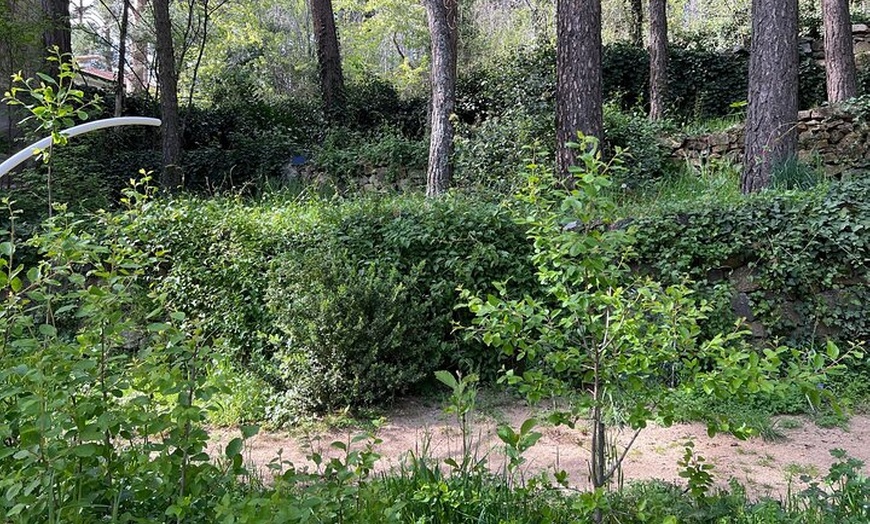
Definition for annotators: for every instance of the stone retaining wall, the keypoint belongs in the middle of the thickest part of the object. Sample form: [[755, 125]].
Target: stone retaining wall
[[860, 44], [837, 139]]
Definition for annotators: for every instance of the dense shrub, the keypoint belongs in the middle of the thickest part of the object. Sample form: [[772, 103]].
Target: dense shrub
[[88, 174], [642, 156], [702, 82], [102, 408], [525, 79], [345, 286], [237, 143], [351, 333], [807, 253], [346, 156], [373, 103], [487, 158]]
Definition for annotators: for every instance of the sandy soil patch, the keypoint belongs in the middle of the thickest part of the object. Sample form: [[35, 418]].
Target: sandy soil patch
[[765, 468]]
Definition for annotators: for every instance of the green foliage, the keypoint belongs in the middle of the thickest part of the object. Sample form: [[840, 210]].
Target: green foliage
[[372, 104], [798, 175], [53, 104], [714, 181], [811, 83], [246, 141], [696, 471], [346, 156], [103, 389], [805, 252], [106, 385], [602, 338], [486, 157], [343, 286], [351, 333], [635, 140], [240, 396], [841, 496], [704, 83]]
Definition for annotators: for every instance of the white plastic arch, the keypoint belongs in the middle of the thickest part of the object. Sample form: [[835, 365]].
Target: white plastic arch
[[12, 162]]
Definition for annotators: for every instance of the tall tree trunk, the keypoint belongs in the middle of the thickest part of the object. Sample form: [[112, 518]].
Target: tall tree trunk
[[168, 83], [578, 76], [839, 55], [773, 92], [120, 87], [637, 22], [443, 19], [57, 31], [658, 58], [328, 57], [139, 54]]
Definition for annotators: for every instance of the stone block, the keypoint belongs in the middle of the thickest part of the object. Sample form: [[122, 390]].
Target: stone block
[[742, 306], [743, 279]]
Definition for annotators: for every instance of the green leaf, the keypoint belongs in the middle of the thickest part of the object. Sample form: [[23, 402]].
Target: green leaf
[[13, 491], [528, 425], [250, 431], [832, 350], [46, 78], [16, 509], [234, 447], [85, 450], [447, 379], [48, 330]]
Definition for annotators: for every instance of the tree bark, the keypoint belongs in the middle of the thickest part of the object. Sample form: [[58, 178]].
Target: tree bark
[[120, 87], [771, 117], [328, 57], [168, 82], [443, 18], [139, 53], [578, 76], [839, 55], [637, 22], [58, 31], [658, 58]]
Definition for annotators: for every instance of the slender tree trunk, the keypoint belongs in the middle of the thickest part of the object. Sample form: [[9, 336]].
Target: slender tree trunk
[[206, 18], [443, 19], [637, 22], [839, 55], [328, 57], [773, 91], [658, 58], [121, 87], [578, 76], [139, 53], [168, 83]]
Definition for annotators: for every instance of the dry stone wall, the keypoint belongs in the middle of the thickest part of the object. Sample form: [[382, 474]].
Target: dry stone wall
[[836, 139], [831, 136], [860, 45]]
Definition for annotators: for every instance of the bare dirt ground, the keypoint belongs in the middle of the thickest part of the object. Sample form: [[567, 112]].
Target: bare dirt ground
[[765, 468]]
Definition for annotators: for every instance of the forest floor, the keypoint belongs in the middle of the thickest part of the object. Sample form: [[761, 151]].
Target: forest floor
[[765, 467]]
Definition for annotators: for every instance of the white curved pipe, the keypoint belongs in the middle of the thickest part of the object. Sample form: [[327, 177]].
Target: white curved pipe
[[30, 150]]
